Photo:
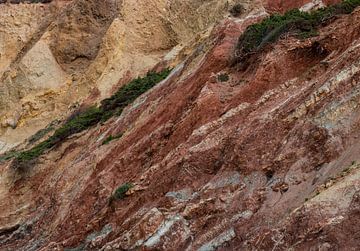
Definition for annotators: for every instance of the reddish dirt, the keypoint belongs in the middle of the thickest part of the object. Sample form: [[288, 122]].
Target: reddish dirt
[[283, 5], [267, 160]]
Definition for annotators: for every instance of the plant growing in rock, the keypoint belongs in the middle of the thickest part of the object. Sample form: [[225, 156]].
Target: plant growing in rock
[[92, 116], [121, 191], [223, 77], [111, 138], [43, 132], [301, 24], [7, 156], [128, 93]]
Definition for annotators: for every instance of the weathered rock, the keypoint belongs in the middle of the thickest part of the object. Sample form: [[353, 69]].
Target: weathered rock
[[266, 160]]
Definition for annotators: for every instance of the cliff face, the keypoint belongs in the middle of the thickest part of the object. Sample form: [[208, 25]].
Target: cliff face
[[53, 56], [261, 156]]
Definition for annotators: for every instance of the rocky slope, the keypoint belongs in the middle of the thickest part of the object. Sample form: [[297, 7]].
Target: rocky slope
[[67, 50], [255, 156]]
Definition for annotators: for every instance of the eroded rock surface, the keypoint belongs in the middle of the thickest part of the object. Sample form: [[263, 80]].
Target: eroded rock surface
[[90, 48], [264, 159]]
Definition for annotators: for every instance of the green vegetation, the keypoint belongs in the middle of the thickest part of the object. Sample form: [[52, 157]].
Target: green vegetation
[[82, 120], [111, 138], [301, 24], [127, 94], [7, 156], [43, 132], [121, 191], [223, 77]]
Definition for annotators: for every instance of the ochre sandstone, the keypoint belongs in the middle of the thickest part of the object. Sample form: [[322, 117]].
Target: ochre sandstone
[[267, 159]]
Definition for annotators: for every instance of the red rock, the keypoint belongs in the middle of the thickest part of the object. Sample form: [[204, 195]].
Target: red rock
[[291, 115]]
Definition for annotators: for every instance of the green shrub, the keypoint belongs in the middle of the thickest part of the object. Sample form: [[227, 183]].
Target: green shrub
[[302, 24], [111, 138], [128, 93], [223, 77], [83, 120], [43, 132], [23, 158], [7, 156], [79, 123], [121, 191]]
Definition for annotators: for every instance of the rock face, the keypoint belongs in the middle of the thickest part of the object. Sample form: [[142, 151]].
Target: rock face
[[265, 158], [283, 5], [90, 47]]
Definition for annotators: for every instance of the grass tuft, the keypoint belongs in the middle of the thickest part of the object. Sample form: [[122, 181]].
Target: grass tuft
[[111, 138], [120, 192], [223, 77], [7, 156]]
